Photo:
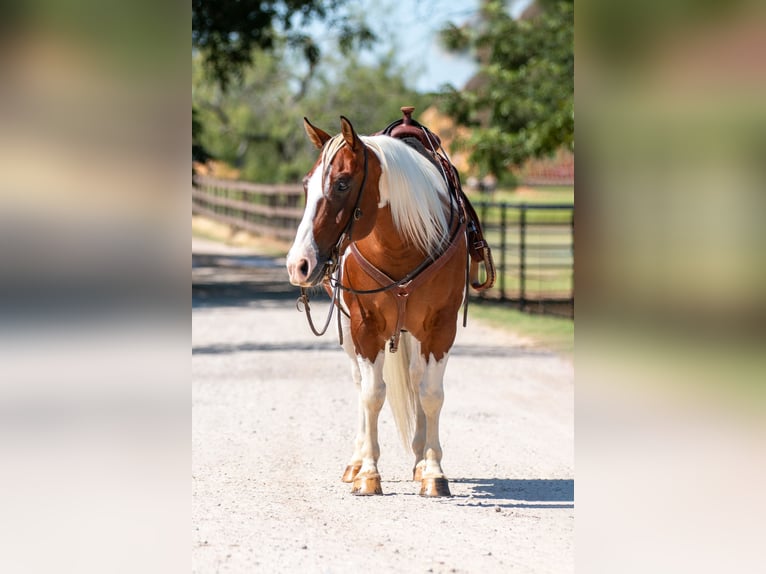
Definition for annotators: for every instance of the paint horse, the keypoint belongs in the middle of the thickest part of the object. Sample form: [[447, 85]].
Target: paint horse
[[382, 228]]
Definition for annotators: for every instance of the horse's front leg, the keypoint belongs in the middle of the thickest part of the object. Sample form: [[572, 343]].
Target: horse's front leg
[[373, 395], [355, 464], [431, 393]]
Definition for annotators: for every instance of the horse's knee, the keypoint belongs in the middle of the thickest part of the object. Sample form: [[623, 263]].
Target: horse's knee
[[373, 394], [372, 387]]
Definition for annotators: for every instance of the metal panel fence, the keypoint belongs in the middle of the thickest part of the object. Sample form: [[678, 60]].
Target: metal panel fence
[[533, 248], [532, 244]]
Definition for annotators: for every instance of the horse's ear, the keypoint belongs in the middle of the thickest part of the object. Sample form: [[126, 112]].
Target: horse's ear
[[318, 137], [348, 133]]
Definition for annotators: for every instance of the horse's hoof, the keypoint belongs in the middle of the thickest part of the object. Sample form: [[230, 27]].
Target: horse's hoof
[[434, 487], [350, 473], [417, 474], [367, 485]]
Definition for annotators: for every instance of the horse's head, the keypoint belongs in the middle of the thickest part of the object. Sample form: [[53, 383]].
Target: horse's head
[[341, 199]]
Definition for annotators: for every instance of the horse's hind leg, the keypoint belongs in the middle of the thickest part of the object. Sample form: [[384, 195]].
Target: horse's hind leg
[[431, 392], [419, 441], [417, 368], [355, 464]]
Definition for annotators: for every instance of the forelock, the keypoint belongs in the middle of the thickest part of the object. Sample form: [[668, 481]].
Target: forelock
[[331, 148]]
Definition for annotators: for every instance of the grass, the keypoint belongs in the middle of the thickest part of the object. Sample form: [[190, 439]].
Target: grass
[[490, 216], [542, 194], [553, 333], [553, 285]]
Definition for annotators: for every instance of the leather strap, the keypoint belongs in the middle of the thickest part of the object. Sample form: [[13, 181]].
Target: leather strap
[[401, 292], [427, 143], [489, 268], [478, 248]]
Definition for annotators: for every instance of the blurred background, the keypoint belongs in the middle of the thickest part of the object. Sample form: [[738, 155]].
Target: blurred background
[[95, 125], [670, 335]]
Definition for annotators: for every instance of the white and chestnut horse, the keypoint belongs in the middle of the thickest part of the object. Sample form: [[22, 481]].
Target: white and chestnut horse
[[382, 228]]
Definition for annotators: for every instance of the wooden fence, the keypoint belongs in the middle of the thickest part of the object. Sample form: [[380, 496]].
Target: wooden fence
[[270, 210], [532, 244]]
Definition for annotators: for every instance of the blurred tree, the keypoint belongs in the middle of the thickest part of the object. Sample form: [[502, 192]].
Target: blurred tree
[[256, 125], [242, 122], [370, 95], [226, 32], [227, 35], [199, 152], [521, 103]]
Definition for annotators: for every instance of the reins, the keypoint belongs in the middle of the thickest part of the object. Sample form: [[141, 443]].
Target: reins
[[303, 301]]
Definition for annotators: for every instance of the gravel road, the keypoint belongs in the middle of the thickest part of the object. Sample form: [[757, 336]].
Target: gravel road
[[274, 411]]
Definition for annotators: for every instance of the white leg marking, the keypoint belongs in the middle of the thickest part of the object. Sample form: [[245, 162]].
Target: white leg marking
[[431, 392], [373, 396], [356, 376], [417, 369]]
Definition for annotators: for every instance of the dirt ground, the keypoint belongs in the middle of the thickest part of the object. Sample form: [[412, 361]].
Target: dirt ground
[[274, 410]]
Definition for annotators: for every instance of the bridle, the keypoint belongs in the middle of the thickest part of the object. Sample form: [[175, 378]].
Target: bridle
[[332, 266], [345, 235]]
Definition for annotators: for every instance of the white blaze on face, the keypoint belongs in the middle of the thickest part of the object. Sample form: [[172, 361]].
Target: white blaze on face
[[302, 257]]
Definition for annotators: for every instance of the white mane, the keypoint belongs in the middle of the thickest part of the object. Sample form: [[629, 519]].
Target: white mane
[[412, 186]]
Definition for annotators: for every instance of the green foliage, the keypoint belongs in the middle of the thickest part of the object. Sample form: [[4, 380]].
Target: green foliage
[[251, 64], [199, 153], [522, 103], [256, 124], [227, 32], [370, 95], [553, 333]]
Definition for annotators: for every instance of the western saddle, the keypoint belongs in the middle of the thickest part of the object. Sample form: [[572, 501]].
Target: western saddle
[[429, 144]]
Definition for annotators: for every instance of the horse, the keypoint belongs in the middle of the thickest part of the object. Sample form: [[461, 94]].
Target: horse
[[382, 228]]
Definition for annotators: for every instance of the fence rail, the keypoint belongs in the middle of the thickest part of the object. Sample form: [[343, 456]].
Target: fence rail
[[271, 210], [533, 247], [533, 244]]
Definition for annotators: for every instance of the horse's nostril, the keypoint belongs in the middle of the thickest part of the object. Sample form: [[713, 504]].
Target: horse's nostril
[[304, 269]]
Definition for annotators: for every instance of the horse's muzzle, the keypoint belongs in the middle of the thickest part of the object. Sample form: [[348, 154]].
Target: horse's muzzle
[[304, 272]]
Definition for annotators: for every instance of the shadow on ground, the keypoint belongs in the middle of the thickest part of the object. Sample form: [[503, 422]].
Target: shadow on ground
[[224, 348], [239, 281], [518, 492]]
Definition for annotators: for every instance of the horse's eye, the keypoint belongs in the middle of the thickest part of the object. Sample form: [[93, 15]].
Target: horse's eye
[[342, 186]]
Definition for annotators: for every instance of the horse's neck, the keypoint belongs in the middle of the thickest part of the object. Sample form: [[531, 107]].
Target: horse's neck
[[385, 247]]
